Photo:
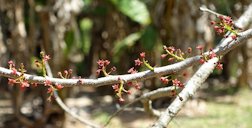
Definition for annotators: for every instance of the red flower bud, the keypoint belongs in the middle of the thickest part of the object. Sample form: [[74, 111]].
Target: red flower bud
[[142, 55], [59, 86], [164, 80], [199, 47], [213, 22], [234, 37], [121, 99], [163, 56]]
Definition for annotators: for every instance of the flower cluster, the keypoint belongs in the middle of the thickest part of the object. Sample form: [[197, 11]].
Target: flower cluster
[[205, 57], [52, 88], [66, 74], [164, 80], [175, 82], [219, 66], [223, 25], [211, 54], [141, 60], [41, 64], [119, 87], [12, 67], [132, 70], [102, 65], [19, 75], [20, 79], [119, 90], [134, 84], [175, 54]]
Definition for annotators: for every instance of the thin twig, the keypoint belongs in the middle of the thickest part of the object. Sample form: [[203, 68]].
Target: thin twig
[[205, 9], [155, 94], [73, 114], [64, 106], [156, 113]]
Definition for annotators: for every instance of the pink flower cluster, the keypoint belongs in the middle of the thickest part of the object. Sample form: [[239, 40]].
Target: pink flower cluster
[[102, 65], [224, 24]]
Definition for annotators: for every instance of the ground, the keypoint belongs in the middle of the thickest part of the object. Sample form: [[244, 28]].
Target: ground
[[228, 111], [222, 111]]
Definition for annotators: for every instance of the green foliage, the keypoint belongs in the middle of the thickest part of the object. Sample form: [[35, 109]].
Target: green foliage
[[40, 2], [127, 42], [100, 10], [149, 38], [87, 2], [81, 42], [69, 39], [224, 6], [85, 27], [134, 9]]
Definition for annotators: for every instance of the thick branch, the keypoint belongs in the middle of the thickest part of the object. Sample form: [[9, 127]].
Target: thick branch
[[191, 87], [226, 45], [246, 19], [203, 72], [109, 79]]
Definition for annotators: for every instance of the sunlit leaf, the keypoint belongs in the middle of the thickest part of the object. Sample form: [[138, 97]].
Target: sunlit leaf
[[134, 9]]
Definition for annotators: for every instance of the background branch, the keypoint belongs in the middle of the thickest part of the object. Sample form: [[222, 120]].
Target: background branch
[[152, 95]]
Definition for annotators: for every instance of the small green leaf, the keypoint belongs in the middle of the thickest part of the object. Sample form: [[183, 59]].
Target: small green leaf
[[134, 9]]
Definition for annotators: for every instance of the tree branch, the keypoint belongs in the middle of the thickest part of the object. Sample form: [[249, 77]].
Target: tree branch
[[191, 87], [201, 75], [205, 9], [226, 45], [246, 18]]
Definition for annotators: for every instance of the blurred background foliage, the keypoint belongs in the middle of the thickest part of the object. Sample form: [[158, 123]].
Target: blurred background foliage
[[77, 33]]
